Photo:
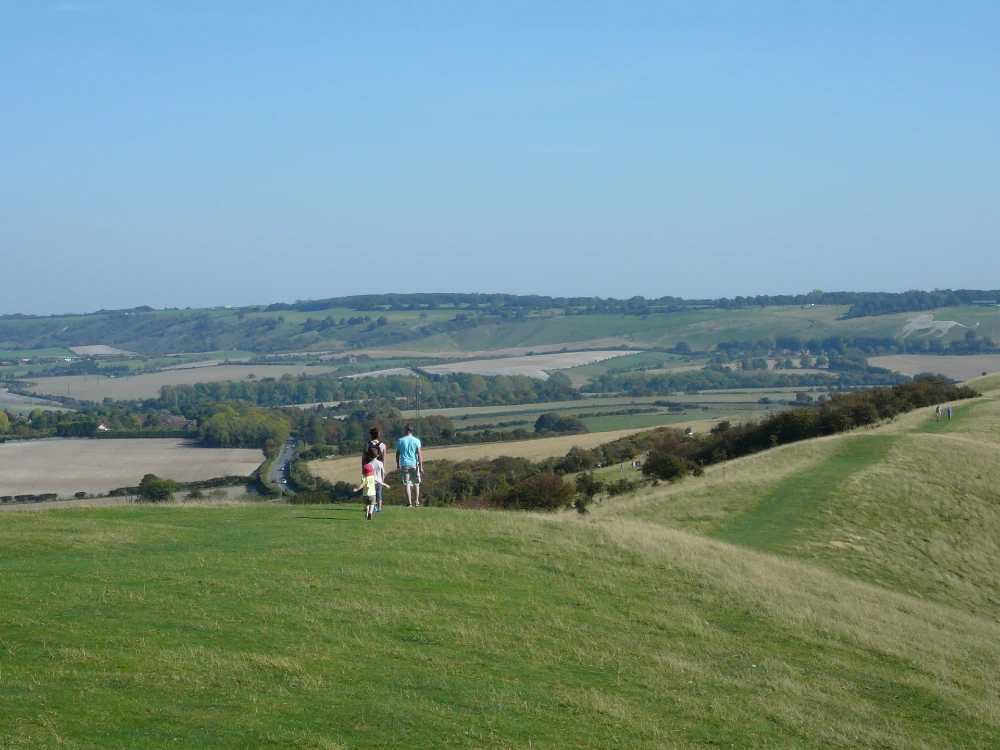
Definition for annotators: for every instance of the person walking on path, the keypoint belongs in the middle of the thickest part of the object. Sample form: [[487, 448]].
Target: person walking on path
[[410, 462], [949, 413], [368, 483], [937, 411], [375, 444]]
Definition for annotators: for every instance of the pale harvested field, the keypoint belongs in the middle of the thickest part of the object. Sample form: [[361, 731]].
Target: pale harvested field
[[516, 351], [99, 387], [6, 397], [535, 366], [100, 350], [349, 469], [952, 366], [95, 466]]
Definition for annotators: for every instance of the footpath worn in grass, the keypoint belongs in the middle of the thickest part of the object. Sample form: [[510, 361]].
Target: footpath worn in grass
[[278, 626], [796, 502], [913, 506]]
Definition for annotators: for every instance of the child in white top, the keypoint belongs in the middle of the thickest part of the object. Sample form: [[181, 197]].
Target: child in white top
[[369, 483]]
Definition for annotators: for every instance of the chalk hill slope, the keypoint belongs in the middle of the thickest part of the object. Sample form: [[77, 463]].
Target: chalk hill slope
[[832, 593]]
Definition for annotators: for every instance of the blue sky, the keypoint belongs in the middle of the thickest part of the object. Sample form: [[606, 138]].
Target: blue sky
[[180, 153]]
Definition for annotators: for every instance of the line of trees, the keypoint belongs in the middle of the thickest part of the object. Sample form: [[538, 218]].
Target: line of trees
[[716, 377], [676, 454], [852, 347], [435, 391]]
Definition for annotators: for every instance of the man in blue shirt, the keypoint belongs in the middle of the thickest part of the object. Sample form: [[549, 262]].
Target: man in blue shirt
[[410, 462]]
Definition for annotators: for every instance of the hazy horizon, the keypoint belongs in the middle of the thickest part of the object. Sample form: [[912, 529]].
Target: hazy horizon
[[181, 154]]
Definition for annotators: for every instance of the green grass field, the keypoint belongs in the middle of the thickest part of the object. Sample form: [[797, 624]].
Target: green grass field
[[840, 592], [56, 351]]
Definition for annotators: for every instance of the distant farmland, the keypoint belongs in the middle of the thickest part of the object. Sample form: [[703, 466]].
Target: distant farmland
[[952, 366], [534, 366], [99, 387], [348, 469], [97, 466]]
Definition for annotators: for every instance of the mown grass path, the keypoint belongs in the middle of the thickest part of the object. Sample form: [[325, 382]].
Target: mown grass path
[[772, 523]]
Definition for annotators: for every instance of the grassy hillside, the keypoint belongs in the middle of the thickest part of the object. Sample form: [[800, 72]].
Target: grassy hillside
[[257, 330], [912, 506], [840, 592], [283, 626]]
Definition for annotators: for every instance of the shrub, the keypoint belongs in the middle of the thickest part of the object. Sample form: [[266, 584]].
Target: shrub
[[665, 465], [551, 422], [543, 491], [156, 490], [587, 488]]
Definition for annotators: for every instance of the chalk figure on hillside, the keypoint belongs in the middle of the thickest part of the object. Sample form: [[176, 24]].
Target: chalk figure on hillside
[[949, 413], [368, 483], [410, 462], [937, 411], [375, 443]]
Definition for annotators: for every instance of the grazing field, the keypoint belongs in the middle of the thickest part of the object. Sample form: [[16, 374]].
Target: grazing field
[[99, 387], [855, 606], [67, 466], [955, 367], [55, 351]]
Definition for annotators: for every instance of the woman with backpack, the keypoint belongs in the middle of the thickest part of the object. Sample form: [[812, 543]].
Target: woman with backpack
[[376, 446]]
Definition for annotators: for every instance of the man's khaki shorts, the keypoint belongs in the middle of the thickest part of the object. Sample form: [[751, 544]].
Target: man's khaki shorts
[[411, 476]]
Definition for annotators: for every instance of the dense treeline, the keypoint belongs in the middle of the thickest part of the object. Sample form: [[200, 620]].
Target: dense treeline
[[435, 391], [234, 425], [675, 453], [853, 346], [861, 303], [118, 418], [717, 377], [883, 303]]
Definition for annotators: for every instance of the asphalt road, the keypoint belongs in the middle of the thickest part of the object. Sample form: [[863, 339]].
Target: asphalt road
[[277, 477]]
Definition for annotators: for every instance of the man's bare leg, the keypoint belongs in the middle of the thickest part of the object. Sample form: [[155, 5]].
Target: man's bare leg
[[416, 495]]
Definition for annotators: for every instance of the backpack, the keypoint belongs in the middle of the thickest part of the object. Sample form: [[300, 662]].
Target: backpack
[[376, 445]]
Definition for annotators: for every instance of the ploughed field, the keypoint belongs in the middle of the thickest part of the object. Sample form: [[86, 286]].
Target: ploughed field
[[957, 367], [99, 387], [67, 466]]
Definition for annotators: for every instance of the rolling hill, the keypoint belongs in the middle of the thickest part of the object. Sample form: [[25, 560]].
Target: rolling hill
[[837, 592], [456, 330]]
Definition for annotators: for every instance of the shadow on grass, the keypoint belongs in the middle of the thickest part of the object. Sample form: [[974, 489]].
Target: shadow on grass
[[336, 515]]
